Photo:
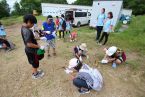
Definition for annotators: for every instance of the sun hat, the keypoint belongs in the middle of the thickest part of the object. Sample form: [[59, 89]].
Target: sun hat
[[73, 63], [83, 47], [112, 50], [40, 52]]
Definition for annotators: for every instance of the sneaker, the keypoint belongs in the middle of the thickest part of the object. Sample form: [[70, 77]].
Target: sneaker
[[38, 75], [99, 44], [54, 54], [84, 91], [49, 55]]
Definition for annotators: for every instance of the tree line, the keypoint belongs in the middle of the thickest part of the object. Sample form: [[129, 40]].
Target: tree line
[[27, 6]]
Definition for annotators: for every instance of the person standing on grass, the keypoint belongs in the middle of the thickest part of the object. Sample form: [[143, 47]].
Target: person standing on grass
[[49, 26], [31, 45], [68, 26], [100, 23], [62, 26], [57, 23], [108, 27]]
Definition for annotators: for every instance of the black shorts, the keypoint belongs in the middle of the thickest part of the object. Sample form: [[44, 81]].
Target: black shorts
[[33, 59]]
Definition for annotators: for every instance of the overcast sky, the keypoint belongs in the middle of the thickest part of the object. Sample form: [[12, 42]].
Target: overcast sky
[[11, 2]]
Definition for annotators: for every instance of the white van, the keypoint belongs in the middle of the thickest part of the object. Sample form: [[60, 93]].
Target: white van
[[78, 17]]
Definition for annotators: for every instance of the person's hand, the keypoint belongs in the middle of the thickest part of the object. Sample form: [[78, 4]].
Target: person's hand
[[42, 47], [105, 49], [87, 57], [47, 32], [80, 58]]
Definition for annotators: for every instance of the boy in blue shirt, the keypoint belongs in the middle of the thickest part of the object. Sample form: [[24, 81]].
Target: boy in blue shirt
[[48, 28]]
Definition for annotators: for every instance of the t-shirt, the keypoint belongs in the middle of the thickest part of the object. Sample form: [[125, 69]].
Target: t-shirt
[[101, 19], [60, 23], [57, 22], [28, 37], [68, 25], [107, 25], [2, 31], [49, 27]]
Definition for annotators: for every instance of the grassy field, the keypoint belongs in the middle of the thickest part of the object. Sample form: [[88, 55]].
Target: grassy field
[[128, 80]]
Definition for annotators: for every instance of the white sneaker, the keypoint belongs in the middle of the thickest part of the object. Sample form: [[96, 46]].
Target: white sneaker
[[82, 91], [38, 75]]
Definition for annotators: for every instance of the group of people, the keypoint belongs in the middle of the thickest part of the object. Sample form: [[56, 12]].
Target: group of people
[[105, 25], [64, 27], [48, 33], [83, 76]]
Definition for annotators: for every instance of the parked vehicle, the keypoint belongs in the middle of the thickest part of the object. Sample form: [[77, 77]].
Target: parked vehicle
[[78, 17]]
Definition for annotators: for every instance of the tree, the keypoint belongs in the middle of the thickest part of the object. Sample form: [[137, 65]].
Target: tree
[[27, 6], [55, 1], [138, 6], [4, 9], [17, 9], [84, 2]]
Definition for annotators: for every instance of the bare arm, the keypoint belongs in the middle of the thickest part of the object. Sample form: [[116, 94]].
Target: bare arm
[[31, 45]]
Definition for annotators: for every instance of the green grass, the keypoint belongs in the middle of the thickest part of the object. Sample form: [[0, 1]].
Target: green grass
[[133, 38], [11, 20], [8, 21]]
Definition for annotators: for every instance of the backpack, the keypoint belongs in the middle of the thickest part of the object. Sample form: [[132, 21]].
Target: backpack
[[124, 56], [63, 24]]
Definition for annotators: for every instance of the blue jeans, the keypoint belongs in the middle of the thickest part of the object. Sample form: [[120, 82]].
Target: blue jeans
[[79, 83]]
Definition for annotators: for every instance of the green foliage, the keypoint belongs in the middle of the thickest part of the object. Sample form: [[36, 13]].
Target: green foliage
[[84, 2], [55, 1], [4, 9], [17, 9], [27, 6], [138, 6]]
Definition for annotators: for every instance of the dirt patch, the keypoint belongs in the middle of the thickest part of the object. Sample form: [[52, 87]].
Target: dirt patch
[[15, 73]]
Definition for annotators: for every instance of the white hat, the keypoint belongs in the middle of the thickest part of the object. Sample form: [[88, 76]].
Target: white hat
[[83, 46], [112, 50], [73, 63]]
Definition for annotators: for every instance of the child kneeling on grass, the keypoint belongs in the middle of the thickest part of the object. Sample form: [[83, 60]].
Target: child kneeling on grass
[[73, 36], [33, 51], [50, 35], [114, 55], [80, 51], [86, 78]]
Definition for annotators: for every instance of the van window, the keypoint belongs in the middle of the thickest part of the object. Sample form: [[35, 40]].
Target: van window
[[80, 14]]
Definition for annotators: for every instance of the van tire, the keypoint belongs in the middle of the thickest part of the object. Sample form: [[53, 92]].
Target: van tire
[[78, 24], [89, 22]]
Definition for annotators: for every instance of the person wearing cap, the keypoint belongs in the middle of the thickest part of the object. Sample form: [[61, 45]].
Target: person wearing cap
[[48, 28], [74, 66], [114, 55], [31, 45], [80, 51], [86, 78]]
